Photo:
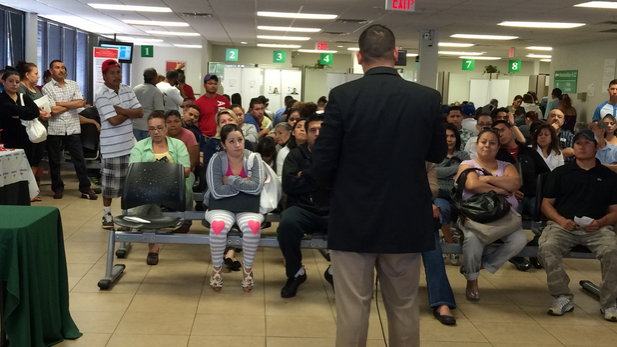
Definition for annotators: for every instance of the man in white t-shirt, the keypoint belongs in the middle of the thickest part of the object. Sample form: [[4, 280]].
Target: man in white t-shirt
[[172, 95], [469, 121], [610, 106], [117, 106]]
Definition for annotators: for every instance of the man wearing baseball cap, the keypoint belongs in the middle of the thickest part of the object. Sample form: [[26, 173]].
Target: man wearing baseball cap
[[209, 104], [580, 202], [469, 121], [151, 99], [118, 106]]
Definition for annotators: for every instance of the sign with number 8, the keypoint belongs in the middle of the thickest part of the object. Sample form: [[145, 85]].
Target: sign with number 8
[[514, 66]]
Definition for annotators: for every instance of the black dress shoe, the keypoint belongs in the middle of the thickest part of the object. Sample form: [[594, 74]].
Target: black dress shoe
[[328, 276], [535, 263], [520, 263], [445, 320], [291, 287]]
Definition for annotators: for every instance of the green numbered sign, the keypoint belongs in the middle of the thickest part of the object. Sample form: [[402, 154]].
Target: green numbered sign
[[231, 54], [468, 64], [279, 57], [326, 59], [147, 51], [514, 66]]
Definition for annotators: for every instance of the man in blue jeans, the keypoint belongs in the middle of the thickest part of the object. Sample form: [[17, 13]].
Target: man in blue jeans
[[308, 206]]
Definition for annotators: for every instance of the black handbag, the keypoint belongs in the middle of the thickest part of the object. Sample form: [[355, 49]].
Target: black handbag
[[482, 207], [238, 203]]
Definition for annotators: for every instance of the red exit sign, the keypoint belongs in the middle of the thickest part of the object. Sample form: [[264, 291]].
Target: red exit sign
[[401, 5], [322, 46]]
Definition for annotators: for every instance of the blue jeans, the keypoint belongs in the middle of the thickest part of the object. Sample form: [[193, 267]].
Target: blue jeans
[[444, 210], [140, 134], [437, 284]]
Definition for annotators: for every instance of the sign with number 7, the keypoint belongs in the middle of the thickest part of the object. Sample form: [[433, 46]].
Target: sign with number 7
[[468, 64], [514, 66]]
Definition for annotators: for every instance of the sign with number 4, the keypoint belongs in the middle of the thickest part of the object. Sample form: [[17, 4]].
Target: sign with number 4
[[326, 59], [231, 54], [279, 57], [468, 64], [514, 66]]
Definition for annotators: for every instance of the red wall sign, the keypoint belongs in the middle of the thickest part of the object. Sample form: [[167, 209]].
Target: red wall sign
[[401, 5], [322, 46]]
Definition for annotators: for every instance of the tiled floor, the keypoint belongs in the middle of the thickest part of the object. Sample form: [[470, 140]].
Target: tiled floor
[[172, 305]]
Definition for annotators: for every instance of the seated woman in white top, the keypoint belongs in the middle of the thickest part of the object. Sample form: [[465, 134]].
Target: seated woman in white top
[[297, 137], [545, 141], [612, 127], [504, 180]]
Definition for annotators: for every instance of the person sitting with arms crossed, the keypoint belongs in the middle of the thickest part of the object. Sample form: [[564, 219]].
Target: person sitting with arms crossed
[[546, 143], [606, 153], [456, 117], [611, 123], [249, 130], [484, 121], [583, 189], [556, 119], [190, 122]]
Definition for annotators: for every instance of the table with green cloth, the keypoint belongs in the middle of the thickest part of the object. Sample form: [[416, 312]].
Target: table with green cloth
[[33, 267]]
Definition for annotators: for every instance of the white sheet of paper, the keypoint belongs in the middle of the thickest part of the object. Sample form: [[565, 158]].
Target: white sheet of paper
[[582, 221], [44, 103]]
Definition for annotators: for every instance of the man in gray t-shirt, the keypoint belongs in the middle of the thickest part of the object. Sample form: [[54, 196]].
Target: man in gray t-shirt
[[151, 99]]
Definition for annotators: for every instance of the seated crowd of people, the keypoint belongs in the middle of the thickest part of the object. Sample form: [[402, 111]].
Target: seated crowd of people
[[215, 139]]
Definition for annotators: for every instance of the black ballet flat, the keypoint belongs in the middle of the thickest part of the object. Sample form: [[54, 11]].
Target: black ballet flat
[[445, 320], [233, 265]]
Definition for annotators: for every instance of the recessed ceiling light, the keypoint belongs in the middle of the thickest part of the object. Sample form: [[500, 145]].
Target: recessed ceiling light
[[599, 4], [543, 56], [353, 49], [539, 48], [545, 60], [454, 44], [412, 54], [275, 45], [480, 58], [130, 8], [483, 37], [290, 38], [295, 15], [244, 43], [460, 53], [133, 39], [314, 51], [188, 46], [339, 46], [171, 33], [541, 25], [290, 29], [155, 23]]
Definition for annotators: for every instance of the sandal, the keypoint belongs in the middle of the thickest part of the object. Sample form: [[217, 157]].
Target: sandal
[[247, 282], [216, 281], [36, 199], [233, 265], [152, 259], [474, 296]]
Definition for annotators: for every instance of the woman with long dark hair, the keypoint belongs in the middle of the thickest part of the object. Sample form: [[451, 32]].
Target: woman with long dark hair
[[545, 141]]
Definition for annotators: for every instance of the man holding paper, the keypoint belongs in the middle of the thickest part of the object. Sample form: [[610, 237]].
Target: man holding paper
[[580, 202]]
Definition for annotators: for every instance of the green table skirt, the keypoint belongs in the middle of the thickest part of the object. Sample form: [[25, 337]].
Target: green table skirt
[[33, 265]]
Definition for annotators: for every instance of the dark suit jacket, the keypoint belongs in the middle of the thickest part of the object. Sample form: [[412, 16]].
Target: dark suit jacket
[[378, 132]]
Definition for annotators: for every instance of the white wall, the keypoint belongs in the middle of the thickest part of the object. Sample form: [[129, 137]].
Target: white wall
[[588, 59], [192, 57]]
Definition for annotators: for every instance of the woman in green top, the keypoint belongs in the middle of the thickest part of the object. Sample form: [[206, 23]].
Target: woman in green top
[[29, 76], [160, 148]]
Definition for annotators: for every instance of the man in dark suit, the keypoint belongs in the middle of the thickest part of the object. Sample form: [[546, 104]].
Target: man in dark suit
[[378, 132]]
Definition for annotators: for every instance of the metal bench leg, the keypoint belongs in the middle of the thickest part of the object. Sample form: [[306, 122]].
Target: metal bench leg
[[590, 287], [124, 249], [111, 272], [2, 298]]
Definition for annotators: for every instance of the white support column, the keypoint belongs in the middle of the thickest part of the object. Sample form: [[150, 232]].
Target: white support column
[[427, 66], [31, 37]]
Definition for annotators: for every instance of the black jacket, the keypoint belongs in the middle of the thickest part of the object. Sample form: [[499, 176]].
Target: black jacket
[[378, 132], [11, 113], [303, 192], [532, 165]]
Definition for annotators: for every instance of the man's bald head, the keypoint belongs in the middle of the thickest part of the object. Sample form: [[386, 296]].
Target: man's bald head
[[556, 116]]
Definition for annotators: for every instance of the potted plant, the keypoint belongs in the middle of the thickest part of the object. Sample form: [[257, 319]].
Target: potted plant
[[492, 71]]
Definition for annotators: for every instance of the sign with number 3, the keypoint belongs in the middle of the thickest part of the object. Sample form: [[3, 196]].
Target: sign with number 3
[[279, 57]]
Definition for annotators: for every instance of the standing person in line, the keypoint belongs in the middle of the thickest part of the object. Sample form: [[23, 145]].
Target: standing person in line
[[210, 104], [610, 106], [117, 106], [151, 99], [172, 93], [64, 128], [361, 229]]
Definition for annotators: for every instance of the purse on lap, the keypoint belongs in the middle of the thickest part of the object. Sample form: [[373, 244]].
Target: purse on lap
[[488, 215]]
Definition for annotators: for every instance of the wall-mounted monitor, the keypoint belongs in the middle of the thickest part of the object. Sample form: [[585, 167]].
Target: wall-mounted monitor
[[402, 58], [125, 50]]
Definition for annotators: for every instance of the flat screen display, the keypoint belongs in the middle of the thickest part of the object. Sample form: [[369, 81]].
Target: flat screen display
[[125, 50], [402, 58]]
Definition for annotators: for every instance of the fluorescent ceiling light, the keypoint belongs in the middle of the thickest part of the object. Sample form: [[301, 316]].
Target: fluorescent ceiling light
[[460, 53], [275, 45], [545, 60], [543, 56], [290, 38], [80, 23], [188, 46], [599, 4], [314, 51], [171, 33], [295, 15], [541, 25], [353, 49], [483, 37], [412, 54], [480, 58], [133, 39], [454, 44], [155, 23], [339, 46], [539, 48], [130, 8], [290, 29], [244, 43]]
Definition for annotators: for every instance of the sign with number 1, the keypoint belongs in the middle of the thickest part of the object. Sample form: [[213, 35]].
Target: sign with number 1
[[147, 51], [514, 66], [231, 54], [468, 64], [279, 57], [326, 59]]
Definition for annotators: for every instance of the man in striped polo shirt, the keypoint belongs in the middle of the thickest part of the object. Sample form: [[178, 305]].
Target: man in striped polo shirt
[[118, 106]]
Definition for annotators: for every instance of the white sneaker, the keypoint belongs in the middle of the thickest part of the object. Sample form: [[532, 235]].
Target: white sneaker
[[560, 306], [454, 259], [610, 314]]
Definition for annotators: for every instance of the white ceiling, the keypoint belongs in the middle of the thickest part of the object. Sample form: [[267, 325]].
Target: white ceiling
[[234, 21]]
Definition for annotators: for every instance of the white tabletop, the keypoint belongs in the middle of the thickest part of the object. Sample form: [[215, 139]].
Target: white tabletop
[[14, 168]]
